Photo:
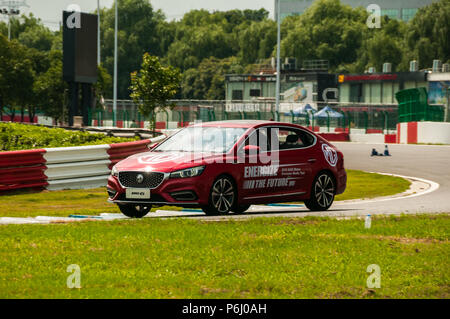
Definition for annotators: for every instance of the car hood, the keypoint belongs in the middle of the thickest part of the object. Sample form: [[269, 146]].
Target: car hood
[[164, 161]]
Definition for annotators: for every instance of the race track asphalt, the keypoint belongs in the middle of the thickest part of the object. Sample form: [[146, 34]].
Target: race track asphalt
[[423, 161], [429, 162]]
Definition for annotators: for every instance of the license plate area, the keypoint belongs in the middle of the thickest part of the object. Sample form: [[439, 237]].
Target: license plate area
[[137, 193]]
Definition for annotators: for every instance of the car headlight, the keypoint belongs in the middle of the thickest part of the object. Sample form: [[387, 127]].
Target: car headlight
[[189, 172], [114, 171]]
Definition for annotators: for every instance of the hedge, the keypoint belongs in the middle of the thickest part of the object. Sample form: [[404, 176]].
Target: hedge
[[15, 136]]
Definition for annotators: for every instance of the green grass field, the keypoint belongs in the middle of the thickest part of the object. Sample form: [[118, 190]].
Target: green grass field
[[93, 201], [256, 258]]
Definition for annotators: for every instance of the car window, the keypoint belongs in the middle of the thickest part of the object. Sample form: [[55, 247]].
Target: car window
[[290, 138], [259, 138], [202, 139]]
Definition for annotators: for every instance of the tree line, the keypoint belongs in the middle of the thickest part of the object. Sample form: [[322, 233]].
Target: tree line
[[205, 46]]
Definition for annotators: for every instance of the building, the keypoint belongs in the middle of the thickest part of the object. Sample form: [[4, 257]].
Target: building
[[396, 9], [297, 88], [377, 88]]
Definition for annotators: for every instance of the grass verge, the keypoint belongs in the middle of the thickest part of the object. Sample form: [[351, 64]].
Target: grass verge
[[93, 201], [256, 258], [362, 185], [59, 203]]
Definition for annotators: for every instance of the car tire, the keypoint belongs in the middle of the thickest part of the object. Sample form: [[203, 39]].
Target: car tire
[[240, 209], [322, 192], [222, 197], [135, 211]]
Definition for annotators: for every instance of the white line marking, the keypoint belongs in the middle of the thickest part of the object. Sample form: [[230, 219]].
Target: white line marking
[[433, 187]]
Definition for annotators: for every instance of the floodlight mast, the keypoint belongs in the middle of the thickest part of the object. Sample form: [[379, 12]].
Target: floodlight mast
[[115, 64], [13, 9]]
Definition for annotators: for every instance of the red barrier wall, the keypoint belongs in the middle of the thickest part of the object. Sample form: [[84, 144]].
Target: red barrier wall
[[412, 132], [22, 169], [390, 138], [160, 125], [18, 118], [373, 131], [336, 137], [341, 130], [314, 129]]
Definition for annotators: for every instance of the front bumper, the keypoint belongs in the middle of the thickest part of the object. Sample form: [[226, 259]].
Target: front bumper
[[188, 192]]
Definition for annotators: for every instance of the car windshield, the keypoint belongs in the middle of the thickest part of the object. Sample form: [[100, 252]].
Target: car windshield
[[202, 139]]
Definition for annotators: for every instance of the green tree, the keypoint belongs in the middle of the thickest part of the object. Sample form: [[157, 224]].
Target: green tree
[[102, 87], [328, 30], [31, 32], [5, 70], [257, 41], [386, 44], [208, 80], [17, 77], [139, 32], [428, 34], [153, 86], [50, 88]]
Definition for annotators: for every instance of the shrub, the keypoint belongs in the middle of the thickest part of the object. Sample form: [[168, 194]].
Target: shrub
[[15, 136]]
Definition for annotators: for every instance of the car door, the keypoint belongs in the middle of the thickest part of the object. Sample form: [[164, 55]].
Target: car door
[[255, 167], [296, 161]]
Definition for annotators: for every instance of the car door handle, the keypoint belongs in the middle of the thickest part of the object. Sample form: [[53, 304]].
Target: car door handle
[[312, 160]]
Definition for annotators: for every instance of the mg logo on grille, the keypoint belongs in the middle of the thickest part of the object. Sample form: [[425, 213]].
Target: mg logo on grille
[[139, 178]]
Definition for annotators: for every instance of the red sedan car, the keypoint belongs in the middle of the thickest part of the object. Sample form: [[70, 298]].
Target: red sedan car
[[224, 167]]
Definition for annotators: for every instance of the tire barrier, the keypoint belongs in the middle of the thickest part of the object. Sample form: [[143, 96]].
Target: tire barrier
[[65, 167], [118, 152]]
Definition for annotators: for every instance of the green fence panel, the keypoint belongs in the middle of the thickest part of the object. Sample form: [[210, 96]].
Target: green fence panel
[[413, 106]]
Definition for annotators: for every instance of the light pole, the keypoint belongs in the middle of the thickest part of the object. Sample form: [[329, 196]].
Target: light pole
[[13, 9], [115, 63], [277, 93]]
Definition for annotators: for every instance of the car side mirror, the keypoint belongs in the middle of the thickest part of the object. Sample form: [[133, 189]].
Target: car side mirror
[[251, 149]]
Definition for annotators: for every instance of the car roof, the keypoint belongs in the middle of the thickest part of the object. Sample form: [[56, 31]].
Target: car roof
[[238, 123]]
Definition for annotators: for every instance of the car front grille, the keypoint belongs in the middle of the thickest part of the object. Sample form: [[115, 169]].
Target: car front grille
[[151, 179]]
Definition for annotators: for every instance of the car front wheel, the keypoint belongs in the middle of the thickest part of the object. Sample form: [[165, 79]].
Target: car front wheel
[[134, 211], [241, 209], [222, 197], [322, 193]]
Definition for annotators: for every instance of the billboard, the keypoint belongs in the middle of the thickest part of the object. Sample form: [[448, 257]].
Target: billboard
[[80, 47]]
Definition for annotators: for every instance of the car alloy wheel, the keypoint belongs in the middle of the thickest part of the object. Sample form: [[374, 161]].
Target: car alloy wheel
[[324, 190], [322, 194], [222, 197]]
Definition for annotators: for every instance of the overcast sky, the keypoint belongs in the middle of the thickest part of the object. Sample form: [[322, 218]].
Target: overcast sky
[[50, 11]]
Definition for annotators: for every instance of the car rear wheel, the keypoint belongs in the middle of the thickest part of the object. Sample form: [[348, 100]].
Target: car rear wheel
[[222, 197], [322, 193], [135, 211]]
